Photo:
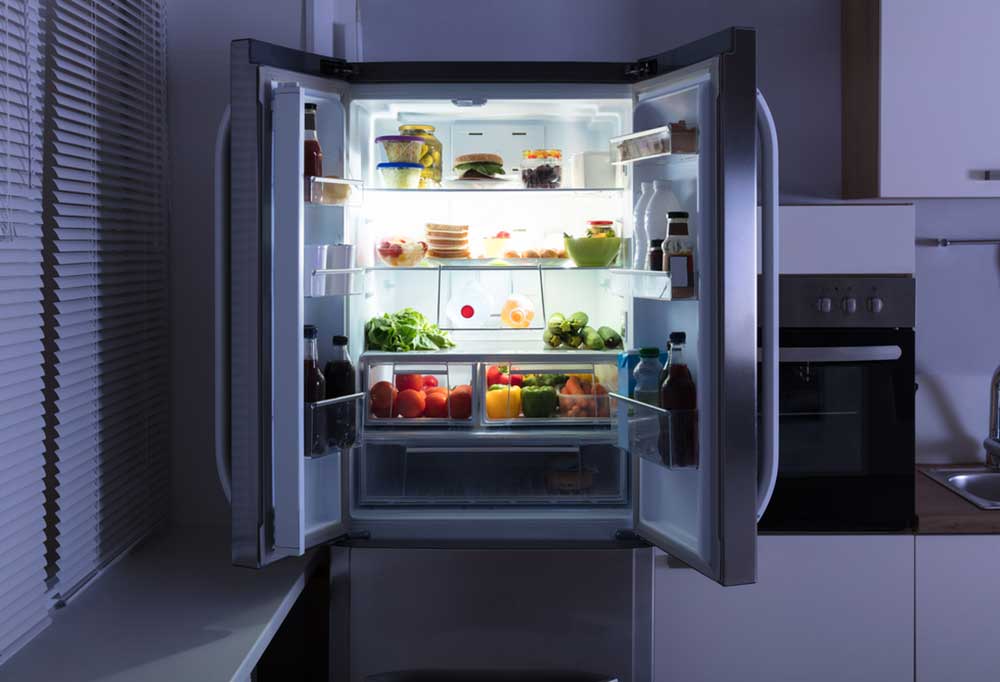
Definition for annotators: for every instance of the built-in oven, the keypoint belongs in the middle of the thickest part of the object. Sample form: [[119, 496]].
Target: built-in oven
[[846, 405]]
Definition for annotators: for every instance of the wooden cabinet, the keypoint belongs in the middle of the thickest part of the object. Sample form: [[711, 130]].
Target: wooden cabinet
[[825, 609], [957, 607], [920, 98]]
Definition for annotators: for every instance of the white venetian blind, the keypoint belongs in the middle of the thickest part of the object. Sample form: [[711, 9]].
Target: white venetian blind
[[106, 281], [23, 601]]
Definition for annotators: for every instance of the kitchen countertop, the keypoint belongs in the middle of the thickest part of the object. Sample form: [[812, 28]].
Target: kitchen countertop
[[942, 512], [174, 608]]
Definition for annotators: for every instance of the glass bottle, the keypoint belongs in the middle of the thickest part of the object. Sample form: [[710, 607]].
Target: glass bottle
[[679, 435], [313, 152], [678, 255], [655, 258], [662, 201], [341, 380], [315, 390], [639, 236], [647, 376]]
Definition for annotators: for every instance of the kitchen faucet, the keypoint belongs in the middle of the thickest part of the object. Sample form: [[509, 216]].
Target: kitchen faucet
[[992, 442]]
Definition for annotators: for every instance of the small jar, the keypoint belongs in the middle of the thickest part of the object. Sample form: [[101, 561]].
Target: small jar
[[430, 153], [678, 257], [553, 172], [656, 254]]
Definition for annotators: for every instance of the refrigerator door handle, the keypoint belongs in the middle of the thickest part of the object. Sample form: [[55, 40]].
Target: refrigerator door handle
[[223, 463], [768, 469]]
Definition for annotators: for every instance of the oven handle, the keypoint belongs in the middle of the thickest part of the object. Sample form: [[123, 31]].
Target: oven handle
[[767, 469], [840, 354]]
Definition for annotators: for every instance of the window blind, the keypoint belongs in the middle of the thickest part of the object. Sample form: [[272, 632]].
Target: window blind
[[105, 282], [23, 601]]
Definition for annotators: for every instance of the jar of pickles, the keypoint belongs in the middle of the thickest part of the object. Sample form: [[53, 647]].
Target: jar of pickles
[[430, 153]]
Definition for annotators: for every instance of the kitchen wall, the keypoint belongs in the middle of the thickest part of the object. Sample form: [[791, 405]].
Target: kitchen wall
[[799, 73], [198, 37]]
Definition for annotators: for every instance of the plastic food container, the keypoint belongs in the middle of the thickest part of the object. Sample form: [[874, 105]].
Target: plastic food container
[[584, 405], [401, 148], [541, 168], [430, 153], [398, 251], [399, 175]]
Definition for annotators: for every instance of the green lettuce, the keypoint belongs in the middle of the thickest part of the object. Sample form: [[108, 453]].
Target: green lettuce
[[483, 167], [403, 331]]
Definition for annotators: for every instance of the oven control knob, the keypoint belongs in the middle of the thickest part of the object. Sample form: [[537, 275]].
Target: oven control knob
[[875, 305], [850, 305], [824, 305]]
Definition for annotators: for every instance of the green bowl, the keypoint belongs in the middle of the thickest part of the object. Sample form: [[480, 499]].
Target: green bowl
[[593, 252]]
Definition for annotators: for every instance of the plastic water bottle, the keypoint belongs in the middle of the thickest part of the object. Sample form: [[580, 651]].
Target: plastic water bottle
[[640, 239], [647, 376], [517, 312], [662, 202]]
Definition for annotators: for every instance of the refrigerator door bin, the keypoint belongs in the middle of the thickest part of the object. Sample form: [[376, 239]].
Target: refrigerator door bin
[[665, 437], [332, 425], [333, 191], [472, 475]]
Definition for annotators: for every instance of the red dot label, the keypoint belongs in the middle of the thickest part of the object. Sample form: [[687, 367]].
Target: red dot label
[[468, 311]]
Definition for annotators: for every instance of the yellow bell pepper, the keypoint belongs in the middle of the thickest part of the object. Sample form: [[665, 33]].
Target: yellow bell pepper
[[503, 402]]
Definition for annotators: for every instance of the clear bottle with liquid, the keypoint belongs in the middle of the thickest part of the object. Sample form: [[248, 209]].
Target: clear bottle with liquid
[[640, 238], [663, 201], [647, 376]]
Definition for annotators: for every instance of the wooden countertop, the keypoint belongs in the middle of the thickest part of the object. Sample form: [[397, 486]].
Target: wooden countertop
[[942, 512]]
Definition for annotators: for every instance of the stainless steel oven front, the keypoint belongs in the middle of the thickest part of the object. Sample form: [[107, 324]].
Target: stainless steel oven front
[[846, 405]]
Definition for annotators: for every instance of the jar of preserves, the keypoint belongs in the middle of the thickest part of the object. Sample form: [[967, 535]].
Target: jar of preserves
[[541, 168], [430, 153]]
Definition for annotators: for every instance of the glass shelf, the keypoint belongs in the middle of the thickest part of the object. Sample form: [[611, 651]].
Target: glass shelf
[[479, 189]]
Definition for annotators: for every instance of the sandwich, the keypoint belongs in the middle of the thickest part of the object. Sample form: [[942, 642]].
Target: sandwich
[[478, 166], [447, 241]]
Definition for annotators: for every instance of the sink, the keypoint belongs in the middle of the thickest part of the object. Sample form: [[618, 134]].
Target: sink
[[981, 487]]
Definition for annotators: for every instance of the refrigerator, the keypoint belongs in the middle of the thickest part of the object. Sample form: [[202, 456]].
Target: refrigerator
[[596, 478]]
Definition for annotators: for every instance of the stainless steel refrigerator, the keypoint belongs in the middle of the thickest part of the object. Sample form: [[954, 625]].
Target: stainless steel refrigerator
[[484, 533]]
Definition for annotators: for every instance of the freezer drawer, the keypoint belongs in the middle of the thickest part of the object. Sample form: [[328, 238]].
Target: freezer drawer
[[473, 475]]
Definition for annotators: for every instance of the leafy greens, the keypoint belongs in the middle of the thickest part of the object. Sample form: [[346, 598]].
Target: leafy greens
[[484, 167], [403, 331]]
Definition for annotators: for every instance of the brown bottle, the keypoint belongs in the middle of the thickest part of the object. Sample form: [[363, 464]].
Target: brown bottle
[[341, 380], [315, 390], [313, 166], [679, 437]]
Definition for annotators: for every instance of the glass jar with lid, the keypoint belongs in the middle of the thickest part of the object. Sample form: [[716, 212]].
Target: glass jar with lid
[[430, 153]]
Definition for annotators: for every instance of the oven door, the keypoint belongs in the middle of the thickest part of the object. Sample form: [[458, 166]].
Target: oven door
[[846, 441]]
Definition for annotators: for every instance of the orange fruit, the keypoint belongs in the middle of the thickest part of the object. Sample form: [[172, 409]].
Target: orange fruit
[[383, 397], [436, 405], [411, 403]]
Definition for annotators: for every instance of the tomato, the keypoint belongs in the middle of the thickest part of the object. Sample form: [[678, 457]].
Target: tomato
[[405, 381], [383, 397], [411, 403], [494, 376], [430, 381], [437, 405], [516, 380], [437, 389], [461, 402], [503, 234]]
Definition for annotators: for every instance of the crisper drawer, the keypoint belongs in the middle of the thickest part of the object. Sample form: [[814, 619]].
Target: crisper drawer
[[568, 394], [440, 475], [420, 393]]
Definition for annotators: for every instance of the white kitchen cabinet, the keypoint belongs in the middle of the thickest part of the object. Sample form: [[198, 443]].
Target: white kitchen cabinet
[[920, 98], [956, 607], [833, 608]]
